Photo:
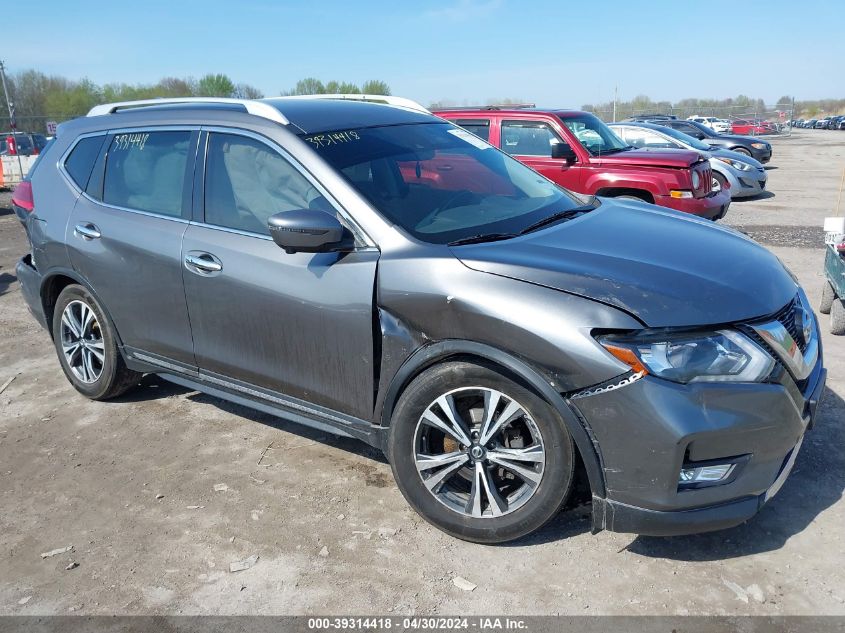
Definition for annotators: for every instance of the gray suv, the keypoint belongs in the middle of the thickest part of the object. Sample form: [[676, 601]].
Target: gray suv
[[374, 271]]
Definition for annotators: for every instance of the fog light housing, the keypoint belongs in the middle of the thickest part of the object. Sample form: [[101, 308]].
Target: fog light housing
[[701, 475]]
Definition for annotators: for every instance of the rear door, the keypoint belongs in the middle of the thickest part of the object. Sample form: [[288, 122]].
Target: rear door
[[124, 235], [298, 325], [530, 141]]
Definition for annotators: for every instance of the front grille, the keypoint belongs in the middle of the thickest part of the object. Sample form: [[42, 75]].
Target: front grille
[[786, 317]]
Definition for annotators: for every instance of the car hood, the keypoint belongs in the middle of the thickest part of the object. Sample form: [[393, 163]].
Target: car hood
[[678, 158], [666, 268]]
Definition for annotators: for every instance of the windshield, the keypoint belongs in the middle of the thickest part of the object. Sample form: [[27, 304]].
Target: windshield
[[686, 139], [439, 182], [594, 134]]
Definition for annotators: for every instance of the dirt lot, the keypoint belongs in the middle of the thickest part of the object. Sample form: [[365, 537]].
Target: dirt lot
[[332, 532]]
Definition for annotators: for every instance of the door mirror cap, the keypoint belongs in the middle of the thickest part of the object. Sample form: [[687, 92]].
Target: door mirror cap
[[562, 150], [309, 231]]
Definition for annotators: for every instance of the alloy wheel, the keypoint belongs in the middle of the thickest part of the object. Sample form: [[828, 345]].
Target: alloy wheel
[[479, 452], [82, 342]]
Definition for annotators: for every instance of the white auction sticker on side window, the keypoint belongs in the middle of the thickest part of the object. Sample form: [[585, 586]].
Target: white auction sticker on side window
[[470, 138]]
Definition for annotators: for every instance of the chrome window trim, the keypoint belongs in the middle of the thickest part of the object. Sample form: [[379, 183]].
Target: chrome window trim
[[144, 128], [360, 233], [60, 164]]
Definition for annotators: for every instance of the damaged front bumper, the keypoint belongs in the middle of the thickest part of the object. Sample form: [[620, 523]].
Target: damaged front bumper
[[667, 426]]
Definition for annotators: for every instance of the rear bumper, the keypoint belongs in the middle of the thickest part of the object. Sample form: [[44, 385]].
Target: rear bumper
[[30, 280], [712, 207]]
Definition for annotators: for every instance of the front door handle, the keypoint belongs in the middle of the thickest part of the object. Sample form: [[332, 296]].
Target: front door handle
[[204, 262], [87, 231]]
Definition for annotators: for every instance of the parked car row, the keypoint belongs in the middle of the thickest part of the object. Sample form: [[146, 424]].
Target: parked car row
[[827, 123], [389, 275], [21, 143]]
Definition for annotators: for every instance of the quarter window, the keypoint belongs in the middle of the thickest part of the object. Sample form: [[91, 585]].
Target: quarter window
[[246, 182], [528, 138], [81, 160], [146, 171]]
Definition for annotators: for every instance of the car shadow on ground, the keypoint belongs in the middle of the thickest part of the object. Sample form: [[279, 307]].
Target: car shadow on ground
[[153, 387], [763, 195], [6, 280], [816, 483], [769, 167]]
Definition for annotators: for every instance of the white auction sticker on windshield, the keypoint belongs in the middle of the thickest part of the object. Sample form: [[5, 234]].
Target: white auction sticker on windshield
[[469, 137]]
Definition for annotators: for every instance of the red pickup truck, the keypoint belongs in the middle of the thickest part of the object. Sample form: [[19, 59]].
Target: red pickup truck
[[579, 152]]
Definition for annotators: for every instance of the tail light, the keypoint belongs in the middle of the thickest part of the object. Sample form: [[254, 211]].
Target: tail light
[[22, 196]]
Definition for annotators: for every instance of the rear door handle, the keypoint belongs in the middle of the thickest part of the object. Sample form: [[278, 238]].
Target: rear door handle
[[204, 262], [87, 231]]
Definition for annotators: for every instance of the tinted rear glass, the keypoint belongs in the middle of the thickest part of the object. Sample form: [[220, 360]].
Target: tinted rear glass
[[81, 160]]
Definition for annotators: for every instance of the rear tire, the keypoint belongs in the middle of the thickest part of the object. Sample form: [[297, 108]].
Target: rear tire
[[828, 296], [86, 345], [837, 317], [455, 478]]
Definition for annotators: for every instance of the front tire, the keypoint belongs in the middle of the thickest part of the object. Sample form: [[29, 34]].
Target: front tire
[[86, 345], [478, 455], [837, 317], [742, 150], [828, 297]]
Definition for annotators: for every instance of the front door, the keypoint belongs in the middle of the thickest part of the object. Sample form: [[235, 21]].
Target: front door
[[299, 325], [530, 141]]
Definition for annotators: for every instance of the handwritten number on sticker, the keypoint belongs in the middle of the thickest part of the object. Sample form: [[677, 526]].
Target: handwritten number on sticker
[[131, 141], [320, 141]]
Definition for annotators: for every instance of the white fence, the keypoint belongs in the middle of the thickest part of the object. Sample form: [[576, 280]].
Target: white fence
[[14, 169]]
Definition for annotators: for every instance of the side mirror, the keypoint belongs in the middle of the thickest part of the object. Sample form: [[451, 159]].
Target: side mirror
[[562, 150], [309, 231]]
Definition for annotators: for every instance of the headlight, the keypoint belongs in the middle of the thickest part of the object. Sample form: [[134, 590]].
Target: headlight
[[758, 145], [736, 164], [696, 180], [721, 356]]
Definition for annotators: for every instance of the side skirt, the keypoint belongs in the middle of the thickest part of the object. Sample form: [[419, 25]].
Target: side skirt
[[263, 400]]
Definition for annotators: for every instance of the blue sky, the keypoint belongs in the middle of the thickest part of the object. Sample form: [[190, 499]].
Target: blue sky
[[556, 53]]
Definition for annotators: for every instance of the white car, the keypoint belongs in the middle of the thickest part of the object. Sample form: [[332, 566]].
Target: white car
[[720, 126]]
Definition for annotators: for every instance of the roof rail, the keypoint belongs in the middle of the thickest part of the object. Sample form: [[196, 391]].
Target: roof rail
[[401, 102], [495, 106], [258, 108]]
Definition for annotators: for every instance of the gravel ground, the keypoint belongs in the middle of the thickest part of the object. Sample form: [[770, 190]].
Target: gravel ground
[[134, 487]]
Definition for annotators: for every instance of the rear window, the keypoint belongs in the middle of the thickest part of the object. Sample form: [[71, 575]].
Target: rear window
[[479, 127], [80, 162], [146, 171]]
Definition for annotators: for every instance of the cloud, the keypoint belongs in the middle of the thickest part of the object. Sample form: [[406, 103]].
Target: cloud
[[465, 10]]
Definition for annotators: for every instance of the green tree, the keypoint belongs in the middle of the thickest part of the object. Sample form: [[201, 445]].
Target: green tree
[[375, 87], [215, 85]]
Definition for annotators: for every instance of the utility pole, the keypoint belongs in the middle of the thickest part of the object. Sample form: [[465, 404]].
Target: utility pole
[[11, 107], [615, 99]]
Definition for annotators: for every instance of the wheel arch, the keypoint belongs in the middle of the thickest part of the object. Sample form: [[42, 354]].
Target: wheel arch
[[455, 350], [51, 287], [612, 192]]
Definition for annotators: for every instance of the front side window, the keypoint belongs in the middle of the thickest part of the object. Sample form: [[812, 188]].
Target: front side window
[[438, 182], [528, 138], [596, 137], [146, 171], [246, 182]]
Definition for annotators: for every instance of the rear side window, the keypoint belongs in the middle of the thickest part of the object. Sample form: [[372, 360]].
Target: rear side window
[[81, 160], [146, 171], [479, 127]]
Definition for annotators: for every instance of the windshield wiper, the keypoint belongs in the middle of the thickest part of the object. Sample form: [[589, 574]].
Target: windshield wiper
[[614, 150], [482, 237], [568, 214]]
